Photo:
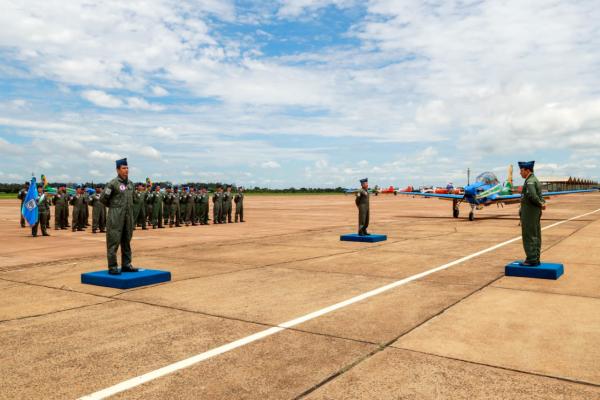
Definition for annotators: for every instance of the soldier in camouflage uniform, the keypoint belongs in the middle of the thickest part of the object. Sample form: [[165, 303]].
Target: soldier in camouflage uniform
[[139, 206], [227, 205], [239, 205], [218, 205], [98, 211], [118, 197], [362, 202], [43, 204], [61, 204], [21, 196], [532, 204], [79, 202], [86, 209]]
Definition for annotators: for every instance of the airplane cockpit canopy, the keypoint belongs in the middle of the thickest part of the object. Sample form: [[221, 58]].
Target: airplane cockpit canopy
[[488, 178]]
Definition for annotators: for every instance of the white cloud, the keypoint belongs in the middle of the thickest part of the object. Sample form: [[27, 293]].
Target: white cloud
[[270, 164], [138, 103], [293, 8], [101, 155], [102, 99], [150, 152], [159, 91]]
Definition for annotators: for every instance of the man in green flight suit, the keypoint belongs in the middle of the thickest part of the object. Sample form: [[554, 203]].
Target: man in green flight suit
[[98, 211], [218, 205], [203, 206], [79, 201], [118, 197], [532, 204], [156, 198], [227, 206], [362, 202], [175, 214], [21, 196], [139, 206], [61, 205], [43, 204], [239, 205], [190, 208]]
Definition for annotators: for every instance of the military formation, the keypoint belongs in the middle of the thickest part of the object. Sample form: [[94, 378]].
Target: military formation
[[153, 207]]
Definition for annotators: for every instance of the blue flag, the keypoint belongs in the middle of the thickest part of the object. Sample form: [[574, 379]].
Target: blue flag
[[30, 207]]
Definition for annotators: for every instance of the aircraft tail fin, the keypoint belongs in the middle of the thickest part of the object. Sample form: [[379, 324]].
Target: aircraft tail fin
[[510, 175]]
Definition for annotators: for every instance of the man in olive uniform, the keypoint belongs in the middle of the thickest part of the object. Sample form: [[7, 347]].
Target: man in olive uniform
[[532, 204], [190, 208], [43, 204], [203, 206], [86, 208], [156, 198], [218, 205], [362, 202], [175, 214], [78, 202], [227, 206], [184, 197], [68, 198], [21, 196], [118, 197], [98, 211], [149, 211], [239, 205], [61, 204], [139, 206]]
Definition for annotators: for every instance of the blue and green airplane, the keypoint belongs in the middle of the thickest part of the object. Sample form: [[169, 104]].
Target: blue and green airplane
[[485, 191]]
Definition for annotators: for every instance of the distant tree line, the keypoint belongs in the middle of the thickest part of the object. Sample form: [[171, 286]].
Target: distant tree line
[[15, 187]]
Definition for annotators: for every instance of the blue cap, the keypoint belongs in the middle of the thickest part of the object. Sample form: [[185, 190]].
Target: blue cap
[[364, 180], [527, 165], [121, 162]]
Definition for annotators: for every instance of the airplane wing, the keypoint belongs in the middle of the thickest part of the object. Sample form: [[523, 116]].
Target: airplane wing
[[546, 194], [438, 195]]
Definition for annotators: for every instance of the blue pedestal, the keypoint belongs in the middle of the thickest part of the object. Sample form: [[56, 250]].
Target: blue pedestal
[[542, 271], [126, 280], [354, 237]]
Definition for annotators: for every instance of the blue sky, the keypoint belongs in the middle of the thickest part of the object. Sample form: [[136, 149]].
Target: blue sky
[[298, 93]]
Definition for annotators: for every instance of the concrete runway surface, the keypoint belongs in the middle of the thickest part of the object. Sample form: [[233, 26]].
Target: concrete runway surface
[[460, 332]]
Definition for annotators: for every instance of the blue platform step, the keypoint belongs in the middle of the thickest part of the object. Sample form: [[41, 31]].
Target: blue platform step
[[126, 280], [542, 271], [355, 237]]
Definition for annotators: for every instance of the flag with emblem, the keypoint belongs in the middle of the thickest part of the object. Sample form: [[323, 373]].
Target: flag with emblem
[[30, 207]]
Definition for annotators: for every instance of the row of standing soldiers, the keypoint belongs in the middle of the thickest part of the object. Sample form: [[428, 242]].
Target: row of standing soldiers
[[189, 207], [151, 207]]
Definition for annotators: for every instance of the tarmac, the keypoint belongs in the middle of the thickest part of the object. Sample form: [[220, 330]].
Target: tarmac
[[254, 302]]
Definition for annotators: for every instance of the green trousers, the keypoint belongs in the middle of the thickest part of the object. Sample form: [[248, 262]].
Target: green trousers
[[531, 230]]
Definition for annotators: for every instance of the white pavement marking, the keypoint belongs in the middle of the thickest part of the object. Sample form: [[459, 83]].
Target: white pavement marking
[[188, 362]]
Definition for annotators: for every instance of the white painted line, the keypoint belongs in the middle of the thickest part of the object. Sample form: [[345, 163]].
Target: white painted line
[[188, 362]]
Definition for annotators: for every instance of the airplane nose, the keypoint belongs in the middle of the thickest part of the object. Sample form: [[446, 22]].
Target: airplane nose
[[470, 191]]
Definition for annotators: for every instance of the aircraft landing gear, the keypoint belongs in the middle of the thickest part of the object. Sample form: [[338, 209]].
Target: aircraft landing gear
[[455, 210], [472, 213]]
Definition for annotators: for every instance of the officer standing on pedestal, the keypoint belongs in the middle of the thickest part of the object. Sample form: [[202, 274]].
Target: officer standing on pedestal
[[532, 204], [118, 197], [362, 202]]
